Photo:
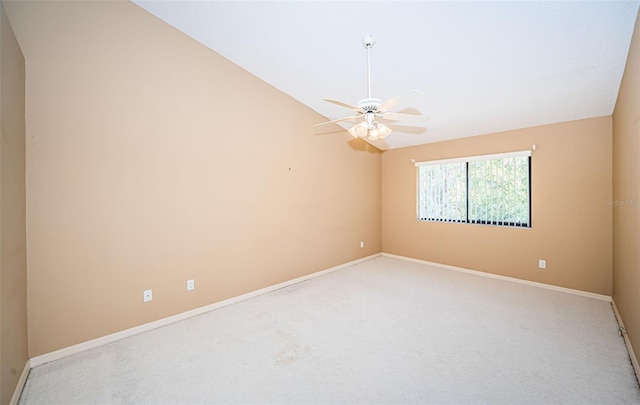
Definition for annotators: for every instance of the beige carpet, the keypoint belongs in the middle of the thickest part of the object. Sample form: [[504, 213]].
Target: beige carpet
[[383, 331]]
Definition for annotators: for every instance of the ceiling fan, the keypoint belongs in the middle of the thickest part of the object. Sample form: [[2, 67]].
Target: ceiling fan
[[374, 110]]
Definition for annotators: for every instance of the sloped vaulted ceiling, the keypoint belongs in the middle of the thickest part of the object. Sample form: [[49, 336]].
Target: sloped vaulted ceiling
[[483, 66]]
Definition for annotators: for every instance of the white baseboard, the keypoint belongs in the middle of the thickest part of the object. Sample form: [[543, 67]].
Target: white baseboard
[[68, 351], [23, 379], [627, 342], [504, 278]]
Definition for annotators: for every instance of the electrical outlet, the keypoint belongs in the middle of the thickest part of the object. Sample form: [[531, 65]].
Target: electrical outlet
[[542, 264], [361, 243], [147, 295], [191, 284]]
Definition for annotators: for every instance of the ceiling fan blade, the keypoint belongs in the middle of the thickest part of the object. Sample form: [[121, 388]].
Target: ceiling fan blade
[[339, 120], [408, 98], [408, 129], [341, 104], [404, 117]]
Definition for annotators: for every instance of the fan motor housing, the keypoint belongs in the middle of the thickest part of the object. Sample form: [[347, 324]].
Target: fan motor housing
[[369, 104]]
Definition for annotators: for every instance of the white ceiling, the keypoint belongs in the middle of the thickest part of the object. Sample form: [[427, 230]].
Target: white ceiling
[[483, 66]]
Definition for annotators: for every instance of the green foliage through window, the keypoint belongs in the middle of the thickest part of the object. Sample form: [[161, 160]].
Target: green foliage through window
[[489, 191]]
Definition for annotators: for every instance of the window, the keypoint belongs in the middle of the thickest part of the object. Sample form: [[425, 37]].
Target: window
[[490, 190]]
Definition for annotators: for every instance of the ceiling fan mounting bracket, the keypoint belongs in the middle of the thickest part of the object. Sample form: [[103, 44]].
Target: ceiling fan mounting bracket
[[369, 41]]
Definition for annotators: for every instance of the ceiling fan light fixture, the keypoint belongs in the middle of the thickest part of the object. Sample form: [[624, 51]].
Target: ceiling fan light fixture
[[359, 131], [371, 131], [353, 132], [383, 130], [370, 108]]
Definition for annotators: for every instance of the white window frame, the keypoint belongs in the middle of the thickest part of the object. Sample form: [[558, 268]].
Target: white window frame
[[466, 160]]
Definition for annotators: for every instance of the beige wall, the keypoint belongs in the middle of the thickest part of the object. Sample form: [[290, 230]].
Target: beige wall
[[571, 183], [13, 267], [152, 160], [626, 189]]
